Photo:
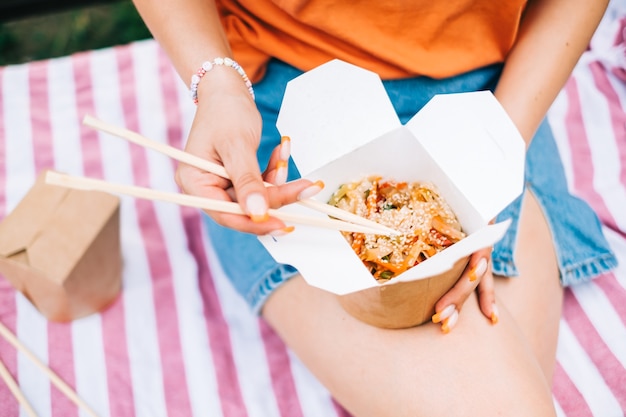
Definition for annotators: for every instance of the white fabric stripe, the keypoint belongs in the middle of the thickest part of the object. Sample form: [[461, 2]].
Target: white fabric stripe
[[315, 399], [199, 370], [143, 347], [556, 117], [584, 375], [604, 152], [89, 359], [619, 86], [31, 326], [248, 348], [604, 318], [19, 157], [64, 117], [32, 331], [90, 365]]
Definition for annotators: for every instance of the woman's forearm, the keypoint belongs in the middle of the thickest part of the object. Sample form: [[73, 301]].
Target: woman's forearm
[[552, 37], [189, 30]]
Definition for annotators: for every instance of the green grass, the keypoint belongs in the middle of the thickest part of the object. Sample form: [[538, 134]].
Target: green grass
[[64, 33]]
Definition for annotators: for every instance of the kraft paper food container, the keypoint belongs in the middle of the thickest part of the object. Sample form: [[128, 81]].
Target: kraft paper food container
[[343, 128], [61, 249]]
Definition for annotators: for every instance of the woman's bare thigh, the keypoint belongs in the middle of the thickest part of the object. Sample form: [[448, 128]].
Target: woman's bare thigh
[[535, 298], [477, 369]]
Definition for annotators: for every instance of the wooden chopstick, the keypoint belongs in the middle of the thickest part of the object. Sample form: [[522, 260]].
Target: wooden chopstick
[[15, 390], [219, 170], [54, 378], [83, 183]]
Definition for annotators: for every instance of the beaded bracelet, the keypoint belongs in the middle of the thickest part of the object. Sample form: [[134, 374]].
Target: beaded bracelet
[[208, 66]]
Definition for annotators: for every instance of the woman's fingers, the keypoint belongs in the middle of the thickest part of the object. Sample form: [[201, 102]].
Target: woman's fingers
[[449, 306], [487, 298], [196, 182], [276, 173], [278, 165]]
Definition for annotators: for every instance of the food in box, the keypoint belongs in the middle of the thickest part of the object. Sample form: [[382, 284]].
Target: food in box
[[425, 222]]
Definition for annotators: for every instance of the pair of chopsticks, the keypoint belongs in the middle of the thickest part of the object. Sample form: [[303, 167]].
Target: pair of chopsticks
[[54, 378], [348, 222], [82, 183]]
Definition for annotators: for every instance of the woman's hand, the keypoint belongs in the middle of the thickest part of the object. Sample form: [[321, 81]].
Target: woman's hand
[[477, 275], [226, 130]]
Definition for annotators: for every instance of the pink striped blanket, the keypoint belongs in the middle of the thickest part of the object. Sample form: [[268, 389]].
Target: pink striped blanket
[[178, 341]]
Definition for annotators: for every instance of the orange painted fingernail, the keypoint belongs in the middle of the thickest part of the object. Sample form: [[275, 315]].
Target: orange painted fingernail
[[281, 172], [311, 190], [478, 270], [494, 314], [444, 314], [259, 218], [450, 322], [285, 147], [282, 232], [257, 208]]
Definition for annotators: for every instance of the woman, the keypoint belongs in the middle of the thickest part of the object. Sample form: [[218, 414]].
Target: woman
[[524, 52]]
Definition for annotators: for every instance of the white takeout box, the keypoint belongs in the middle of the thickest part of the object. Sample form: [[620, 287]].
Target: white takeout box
[[343, 128]]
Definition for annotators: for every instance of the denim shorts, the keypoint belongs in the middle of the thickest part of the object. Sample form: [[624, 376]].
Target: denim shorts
[[581, 248]]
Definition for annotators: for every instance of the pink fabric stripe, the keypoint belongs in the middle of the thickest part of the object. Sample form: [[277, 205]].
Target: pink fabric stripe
[[60, 349], [174, 380], [618, 117], [616, 294], [579, 144], [280, 371], [40, 115], [92, 160], [7, 292], [61, 361], [217, 327], [120, 390], [172, 111], [612, 371], [567, 395]]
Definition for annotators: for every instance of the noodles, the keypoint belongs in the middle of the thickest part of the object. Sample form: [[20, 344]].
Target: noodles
[[425, 221]]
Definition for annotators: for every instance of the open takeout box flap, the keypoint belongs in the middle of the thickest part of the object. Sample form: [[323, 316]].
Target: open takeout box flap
[[473, 140], [391, 150], [331, 110], [27, 220], [62, 245], [42, 234]]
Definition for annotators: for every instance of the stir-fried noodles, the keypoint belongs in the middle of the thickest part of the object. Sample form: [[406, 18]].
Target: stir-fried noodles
[[425, 221]]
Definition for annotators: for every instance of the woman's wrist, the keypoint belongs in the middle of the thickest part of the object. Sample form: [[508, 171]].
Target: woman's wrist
[[216, 65]]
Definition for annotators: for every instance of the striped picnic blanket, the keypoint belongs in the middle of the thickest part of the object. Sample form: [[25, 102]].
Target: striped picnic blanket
[[179, 341]]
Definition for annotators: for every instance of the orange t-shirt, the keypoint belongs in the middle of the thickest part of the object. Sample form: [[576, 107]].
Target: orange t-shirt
[[395, 39]]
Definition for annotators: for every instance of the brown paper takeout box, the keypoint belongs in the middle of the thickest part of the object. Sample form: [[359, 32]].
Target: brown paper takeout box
[[61, 249], [343, 128]]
